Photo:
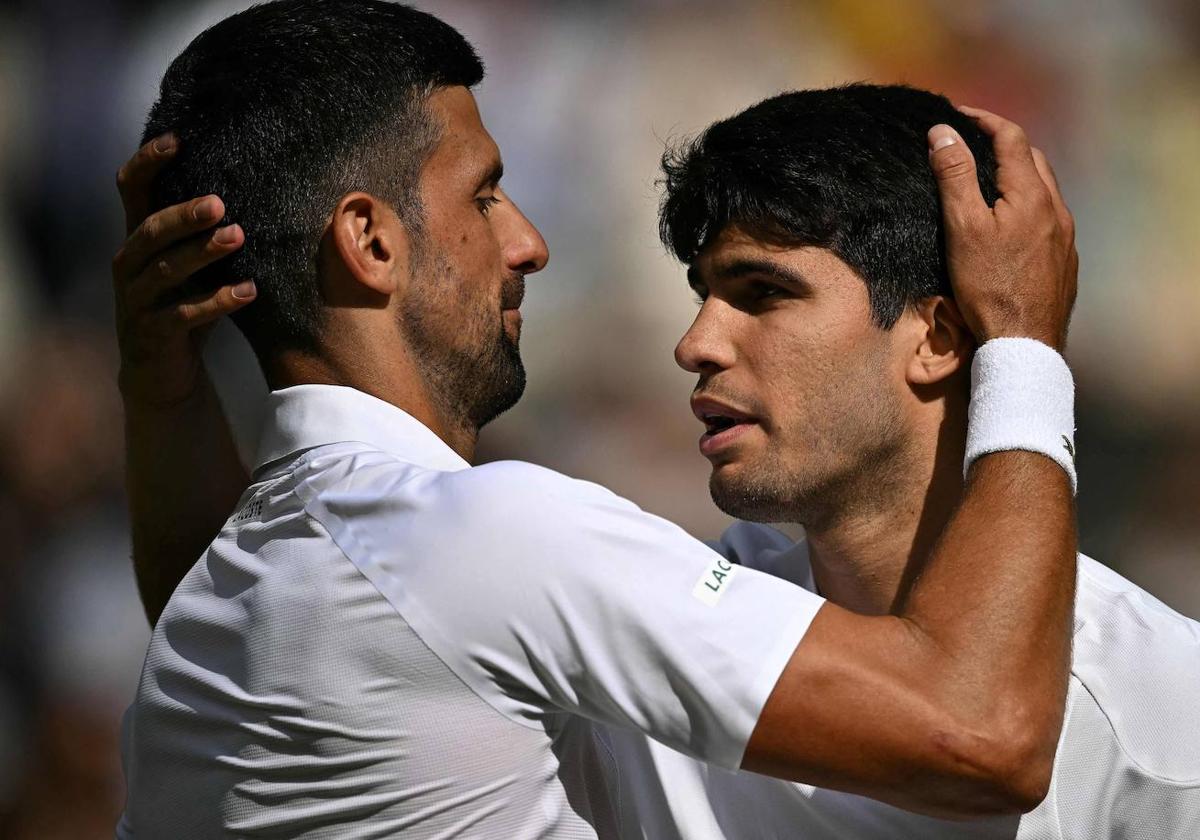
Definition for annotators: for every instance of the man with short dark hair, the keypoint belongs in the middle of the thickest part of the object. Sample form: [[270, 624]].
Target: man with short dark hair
[[381, 639], [828, 317]]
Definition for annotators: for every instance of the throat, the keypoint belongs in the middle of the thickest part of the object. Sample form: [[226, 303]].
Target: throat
[[865, 578], [869, 563]]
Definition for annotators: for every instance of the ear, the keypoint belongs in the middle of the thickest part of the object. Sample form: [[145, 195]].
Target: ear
[[369, 244], [943, 343]]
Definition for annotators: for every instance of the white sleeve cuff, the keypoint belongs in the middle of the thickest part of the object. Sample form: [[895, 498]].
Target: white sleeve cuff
[[1022, 397]]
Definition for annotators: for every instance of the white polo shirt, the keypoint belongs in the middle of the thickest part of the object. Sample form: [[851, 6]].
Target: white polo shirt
[[384, 641], [1128, 762]]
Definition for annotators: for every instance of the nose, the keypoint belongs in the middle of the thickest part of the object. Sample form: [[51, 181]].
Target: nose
[[705, 348], [522, 245]]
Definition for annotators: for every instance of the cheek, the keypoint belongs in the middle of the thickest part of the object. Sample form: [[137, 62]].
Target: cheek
[[793, 367], [478, 259], [822, 385]]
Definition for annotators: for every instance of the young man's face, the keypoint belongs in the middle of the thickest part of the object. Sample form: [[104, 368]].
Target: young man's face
[[800, 391], [468, 267]]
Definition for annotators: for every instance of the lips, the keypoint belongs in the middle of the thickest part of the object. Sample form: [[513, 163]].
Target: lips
[[723, 423]]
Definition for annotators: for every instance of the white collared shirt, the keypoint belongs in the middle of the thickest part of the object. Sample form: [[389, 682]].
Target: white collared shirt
[[1127, 766], [384, 641]]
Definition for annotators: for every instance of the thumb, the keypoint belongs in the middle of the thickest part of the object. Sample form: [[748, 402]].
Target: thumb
[[954, 169]]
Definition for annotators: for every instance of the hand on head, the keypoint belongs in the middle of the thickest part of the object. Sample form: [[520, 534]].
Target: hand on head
[[1013, 266], [160, 335]]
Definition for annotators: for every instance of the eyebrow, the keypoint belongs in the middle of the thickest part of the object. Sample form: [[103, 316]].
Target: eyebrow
[[492, 177], [736, 269]]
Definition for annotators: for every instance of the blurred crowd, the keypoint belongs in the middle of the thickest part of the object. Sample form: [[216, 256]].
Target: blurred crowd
[[581, 97]]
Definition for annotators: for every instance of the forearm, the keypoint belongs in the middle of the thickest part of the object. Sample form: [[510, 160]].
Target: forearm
[[996, 597], [993, 609], [953, 707], [183, 477]]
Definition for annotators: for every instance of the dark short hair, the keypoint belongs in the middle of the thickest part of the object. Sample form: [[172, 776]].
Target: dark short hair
[[284, 108], [844, 168]]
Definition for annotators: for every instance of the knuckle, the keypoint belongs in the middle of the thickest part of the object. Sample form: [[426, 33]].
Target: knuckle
[[173, 321], [1044, 202], [973, 225], [966, 223], [164, 269], [1013, 136], [148, 230], [952, 167]]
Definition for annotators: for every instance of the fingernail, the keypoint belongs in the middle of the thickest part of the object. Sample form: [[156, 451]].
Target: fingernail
[[245, 290], [206, 209], [941, 136], [164, 144], [225, 235]]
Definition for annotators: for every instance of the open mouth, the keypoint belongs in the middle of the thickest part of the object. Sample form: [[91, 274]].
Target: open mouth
[[723, 425], [717, 423]]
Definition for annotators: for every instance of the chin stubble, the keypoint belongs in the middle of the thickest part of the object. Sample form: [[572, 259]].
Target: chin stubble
[[472, 385]]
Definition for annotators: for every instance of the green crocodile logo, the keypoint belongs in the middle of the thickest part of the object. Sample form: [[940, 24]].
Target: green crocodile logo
[[1070, 449]]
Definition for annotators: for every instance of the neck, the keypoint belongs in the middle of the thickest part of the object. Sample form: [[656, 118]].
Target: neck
[[398, 383], [868, 561]]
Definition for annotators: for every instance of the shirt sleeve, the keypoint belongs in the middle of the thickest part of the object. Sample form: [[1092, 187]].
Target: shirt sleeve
[[548, 595]]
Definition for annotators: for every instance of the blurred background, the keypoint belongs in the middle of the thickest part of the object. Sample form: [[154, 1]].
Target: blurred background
[[581, 97]]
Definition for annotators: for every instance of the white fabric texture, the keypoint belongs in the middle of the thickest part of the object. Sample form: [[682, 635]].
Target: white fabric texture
[[1022, 397], [384, 642], [1128, 761]]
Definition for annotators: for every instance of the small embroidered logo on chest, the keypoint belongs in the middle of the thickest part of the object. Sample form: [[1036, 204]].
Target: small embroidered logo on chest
[[251, 511]]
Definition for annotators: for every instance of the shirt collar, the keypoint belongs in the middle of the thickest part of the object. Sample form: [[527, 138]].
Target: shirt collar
[[304, 416]]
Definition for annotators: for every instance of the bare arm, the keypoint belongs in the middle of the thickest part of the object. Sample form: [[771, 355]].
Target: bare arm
[[954, 706], [183, 474]]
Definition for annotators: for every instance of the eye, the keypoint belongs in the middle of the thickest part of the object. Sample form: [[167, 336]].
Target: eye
[[486, 203], [763, 291]]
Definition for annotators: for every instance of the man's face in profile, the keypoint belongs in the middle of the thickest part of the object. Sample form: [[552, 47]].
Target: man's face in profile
[[799, 389], [469, 260]]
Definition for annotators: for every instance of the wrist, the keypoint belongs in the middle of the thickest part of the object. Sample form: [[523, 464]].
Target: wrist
[[1022, 398], [143, 392], [1054, 339]]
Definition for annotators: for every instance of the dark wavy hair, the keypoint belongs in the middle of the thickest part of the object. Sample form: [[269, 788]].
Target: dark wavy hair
[[844, 168], [284, 108]]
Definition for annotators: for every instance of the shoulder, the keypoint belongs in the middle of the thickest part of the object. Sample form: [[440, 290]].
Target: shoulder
[[526, 498], [1139, 660], [514, 511], [353, 482], [522, 481]]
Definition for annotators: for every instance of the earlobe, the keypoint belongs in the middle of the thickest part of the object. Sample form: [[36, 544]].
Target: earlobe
[[369, 242], [943, 345]]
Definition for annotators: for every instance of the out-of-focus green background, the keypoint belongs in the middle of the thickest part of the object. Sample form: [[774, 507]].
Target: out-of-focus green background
[[580, 96]]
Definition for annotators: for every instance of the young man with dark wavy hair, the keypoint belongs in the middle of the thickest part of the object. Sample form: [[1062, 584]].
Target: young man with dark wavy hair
[[833, 375], [367, 636]]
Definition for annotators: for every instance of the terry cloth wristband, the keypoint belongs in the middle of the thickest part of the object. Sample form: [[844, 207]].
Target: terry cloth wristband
[[1022, 397]]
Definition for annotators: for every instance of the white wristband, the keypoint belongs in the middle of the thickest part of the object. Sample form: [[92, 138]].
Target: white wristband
[[1022, 397]]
